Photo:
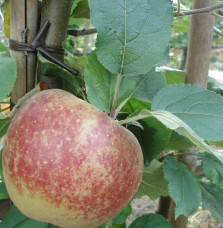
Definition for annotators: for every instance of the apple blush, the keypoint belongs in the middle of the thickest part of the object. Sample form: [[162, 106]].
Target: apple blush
[[67, 163]]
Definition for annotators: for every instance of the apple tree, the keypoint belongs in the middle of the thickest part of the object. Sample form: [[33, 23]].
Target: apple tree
[[124, 76]]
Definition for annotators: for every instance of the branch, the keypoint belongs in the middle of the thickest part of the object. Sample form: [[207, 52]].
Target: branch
[[198, 11], [83, 32]]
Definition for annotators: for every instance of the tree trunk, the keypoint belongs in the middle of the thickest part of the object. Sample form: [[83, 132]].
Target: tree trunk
[[200, 45], [164, 206], [197, 67], [32, 21], [58, 13]]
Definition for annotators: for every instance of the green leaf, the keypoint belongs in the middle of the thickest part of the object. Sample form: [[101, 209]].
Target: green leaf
[[153, 183], [102, 226], [212, 200], [1, 171], [8, 72], [30, 223], [2, 48], [150, 221], [200, 109], [4, 124], [52, 70], [181, 24], [132, 35], [78, 63], [122, 216], [100, 84], [135, 105], [118, 226], [7, 19], [166, 58], [174, 77], [15, 219], [153, 138], [218, 143], [3, 191], [68, 45], [178, 142], [149, 86], [174, 123], [74, 5], [213, 169], [81, 10], [74, 23], [184, 188]]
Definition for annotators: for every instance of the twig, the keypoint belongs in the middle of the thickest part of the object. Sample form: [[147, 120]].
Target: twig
[[216, 15], [217, 31], [178, 8], [83, 32], [4, 109], [198, 11]]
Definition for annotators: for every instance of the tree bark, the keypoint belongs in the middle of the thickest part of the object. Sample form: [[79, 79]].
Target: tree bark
[[32, 21], [164, 206], [197, 67], [58, 13], [200, 45]]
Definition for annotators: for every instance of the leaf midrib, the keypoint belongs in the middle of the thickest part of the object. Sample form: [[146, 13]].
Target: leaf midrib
[[125, 38]]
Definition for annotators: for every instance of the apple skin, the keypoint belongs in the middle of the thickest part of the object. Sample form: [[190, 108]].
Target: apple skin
[[67, 163]]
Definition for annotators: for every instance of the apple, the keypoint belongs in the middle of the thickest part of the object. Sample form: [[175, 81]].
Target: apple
[[67, 163]]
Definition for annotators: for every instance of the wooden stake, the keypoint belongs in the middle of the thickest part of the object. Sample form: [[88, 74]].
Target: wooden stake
[[23, 28], [17, 32]]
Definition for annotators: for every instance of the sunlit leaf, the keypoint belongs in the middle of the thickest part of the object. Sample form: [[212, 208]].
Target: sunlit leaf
[[200, 109]]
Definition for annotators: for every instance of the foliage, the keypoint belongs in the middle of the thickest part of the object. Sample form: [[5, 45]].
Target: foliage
[[150, 220], [7, 74], [153, 183], [120, 46], [212, 199], [126, 78], [15, 218], [213, 169], [183, 187]]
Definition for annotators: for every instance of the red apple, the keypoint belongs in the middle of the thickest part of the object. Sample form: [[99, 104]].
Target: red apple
[[67, 163]]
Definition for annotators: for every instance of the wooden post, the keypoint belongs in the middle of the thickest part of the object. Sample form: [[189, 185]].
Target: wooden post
[[17, 28], [23, 28]]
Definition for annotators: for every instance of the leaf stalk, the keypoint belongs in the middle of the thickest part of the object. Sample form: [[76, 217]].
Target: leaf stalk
[[114, 113]]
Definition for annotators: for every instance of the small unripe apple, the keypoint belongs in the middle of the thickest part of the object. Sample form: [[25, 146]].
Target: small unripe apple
[[67, 163]]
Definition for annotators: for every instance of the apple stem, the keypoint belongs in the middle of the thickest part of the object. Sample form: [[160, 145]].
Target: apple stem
[[114, 112]]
